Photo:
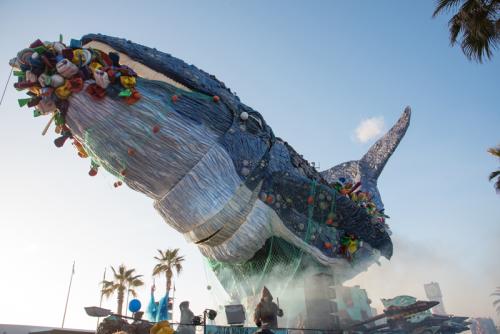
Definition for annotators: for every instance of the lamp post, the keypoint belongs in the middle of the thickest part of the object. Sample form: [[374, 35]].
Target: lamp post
[[211, 314], [67, 297]]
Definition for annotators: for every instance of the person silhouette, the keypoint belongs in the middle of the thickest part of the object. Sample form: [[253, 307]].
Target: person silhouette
[[186, 324], [267, 312]]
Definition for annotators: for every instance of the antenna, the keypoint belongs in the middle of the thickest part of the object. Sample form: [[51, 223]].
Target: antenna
[[6, 84], [69, 290]]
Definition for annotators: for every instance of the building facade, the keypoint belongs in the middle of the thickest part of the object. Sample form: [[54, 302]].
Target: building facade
[[483, 326], [433, 292]]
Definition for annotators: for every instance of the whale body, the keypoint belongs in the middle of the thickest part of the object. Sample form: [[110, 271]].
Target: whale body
[[218, 175]]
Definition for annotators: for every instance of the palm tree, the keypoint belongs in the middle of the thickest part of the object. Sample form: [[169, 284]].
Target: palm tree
[[495, 151], [124, 279], [168, 262], [478, 23], [496, 302]]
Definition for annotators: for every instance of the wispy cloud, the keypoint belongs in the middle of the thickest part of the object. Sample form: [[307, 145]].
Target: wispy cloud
[[369, 129]]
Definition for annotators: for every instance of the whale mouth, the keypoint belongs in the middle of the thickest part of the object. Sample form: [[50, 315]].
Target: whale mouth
[[209, 237], [141, 69]]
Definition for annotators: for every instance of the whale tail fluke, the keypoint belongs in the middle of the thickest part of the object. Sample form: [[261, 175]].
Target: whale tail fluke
[[368, 168], [373, 162]]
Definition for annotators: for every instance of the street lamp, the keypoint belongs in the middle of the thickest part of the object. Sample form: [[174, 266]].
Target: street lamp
[[207, 313]]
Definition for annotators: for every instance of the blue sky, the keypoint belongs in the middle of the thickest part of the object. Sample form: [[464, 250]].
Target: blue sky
[[315, 70]]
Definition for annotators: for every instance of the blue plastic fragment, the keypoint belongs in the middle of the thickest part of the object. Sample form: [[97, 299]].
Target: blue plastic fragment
[[75, 43]]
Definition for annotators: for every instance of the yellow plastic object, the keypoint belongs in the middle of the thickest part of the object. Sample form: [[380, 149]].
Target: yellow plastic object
[[352, 247], [35, 90], [81, 150], [81, 56], [63, 92], [127, 81], [94, 66], [162, 327]]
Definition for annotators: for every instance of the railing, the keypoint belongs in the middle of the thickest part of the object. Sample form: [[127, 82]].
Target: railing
[[215, 329]]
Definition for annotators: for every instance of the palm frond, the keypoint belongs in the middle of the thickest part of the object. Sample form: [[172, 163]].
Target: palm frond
[[456, 26], [107, 292], [479, 32], [477, 46], [476, 23], [495, 151], [494, 175], [122, 269], [445, 5], [161, 253], [129, 272], [158, 269], [136, 282], [168, 261], [122, 278], [107, 284]]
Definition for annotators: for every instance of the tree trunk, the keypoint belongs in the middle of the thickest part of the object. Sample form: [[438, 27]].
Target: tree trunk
[[120, 301], [168, 274], [126, 304]]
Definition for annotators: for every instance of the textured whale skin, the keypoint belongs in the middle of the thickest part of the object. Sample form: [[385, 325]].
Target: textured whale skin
[[223, 180]]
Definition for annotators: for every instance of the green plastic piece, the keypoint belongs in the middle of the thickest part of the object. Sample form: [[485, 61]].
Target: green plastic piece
[[36, 113], [125, 92], [40, 49], [94, 164], [20, 74], [59, 119], [23, 102]]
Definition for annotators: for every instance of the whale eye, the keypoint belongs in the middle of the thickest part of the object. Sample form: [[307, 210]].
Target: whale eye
[[254, 123]]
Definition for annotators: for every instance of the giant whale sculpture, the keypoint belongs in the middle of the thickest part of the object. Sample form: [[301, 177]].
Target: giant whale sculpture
[[213, 166]]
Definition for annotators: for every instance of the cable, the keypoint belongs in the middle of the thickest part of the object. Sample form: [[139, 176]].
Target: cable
[[6, 84]]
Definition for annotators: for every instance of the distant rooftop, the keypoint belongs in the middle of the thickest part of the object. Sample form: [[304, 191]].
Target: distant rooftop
[[28, 329]]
